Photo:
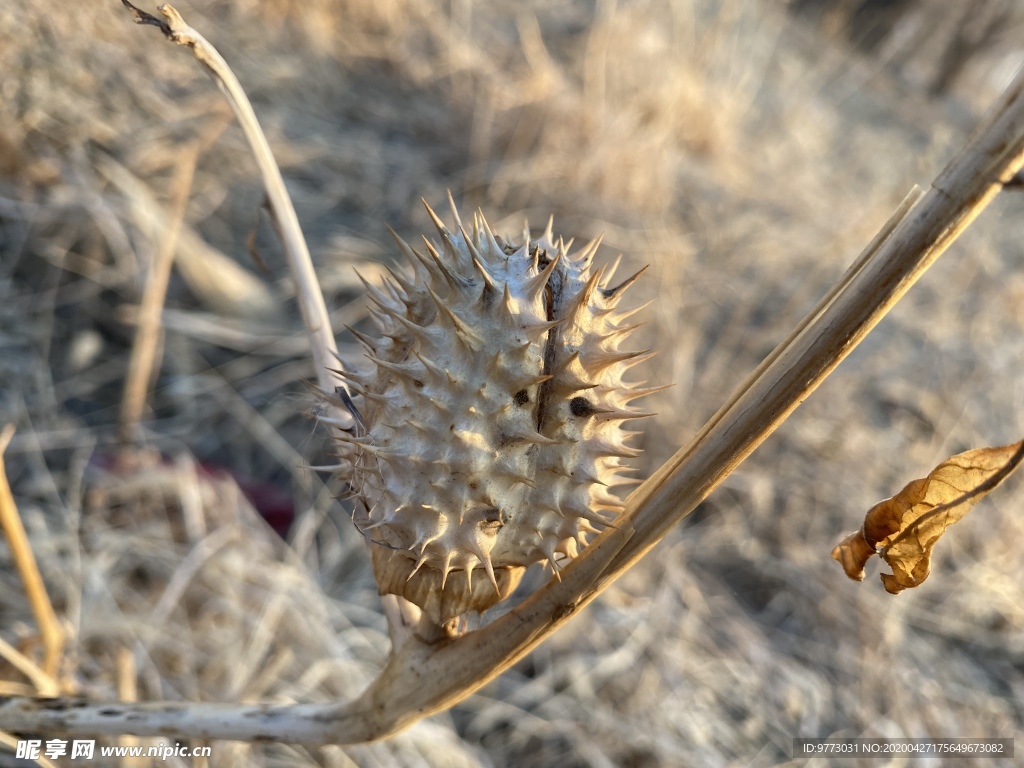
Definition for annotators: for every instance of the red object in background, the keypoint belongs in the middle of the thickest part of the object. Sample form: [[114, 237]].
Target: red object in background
[[275, 504]]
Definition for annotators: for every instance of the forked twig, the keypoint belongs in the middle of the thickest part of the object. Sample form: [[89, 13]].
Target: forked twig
[[425, 676]]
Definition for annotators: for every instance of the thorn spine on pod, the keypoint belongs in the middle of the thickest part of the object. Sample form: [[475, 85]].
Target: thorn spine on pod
[[420, 273], [618, 316], [439, 405], [621, 332], [462, 328], [490, 240], [580, 304], [429, 364], [517, 386], [643, 357], [532, 437], [455, 211], [454, 281], [508, 307], [612, 293], [397, 294], [417, 331], [609, 448], [489, 568], [493, 367], [570, 548], [490, 286], [600, 361], [549, 555], [442, 230], [535, 286], [629, 395], [407, 286], [540, 330], [375, 294], [399, 369], [586, 477], [612, 268], [351, 376], [363, 339], [471, 246], [617, 414], [420, 561], [586, 254], [446, 568]]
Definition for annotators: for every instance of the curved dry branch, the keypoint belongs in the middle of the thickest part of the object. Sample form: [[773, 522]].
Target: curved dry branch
[[402, 616], [426, 674], [311, 299], [991, 158], [422, 676]]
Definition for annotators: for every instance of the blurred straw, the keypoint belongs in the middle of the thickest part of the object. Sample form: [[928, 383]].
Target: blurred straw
[[44, 684], [24, 561], [217, 280], [311, 301], [144, 358], [11, 741], [127, 690]]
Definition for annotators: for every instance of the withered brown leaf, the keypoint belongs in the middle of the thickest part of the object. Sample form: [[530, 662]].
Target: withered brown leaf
[[903, 530]]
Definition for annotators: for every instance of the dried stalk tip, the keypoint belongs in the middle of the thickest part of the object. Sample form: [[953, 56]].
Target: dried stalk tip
[[493, 401]]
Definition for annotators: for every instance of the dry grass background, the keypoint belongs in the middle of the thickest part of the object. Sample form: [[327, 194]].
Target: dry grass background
[[730, 147]]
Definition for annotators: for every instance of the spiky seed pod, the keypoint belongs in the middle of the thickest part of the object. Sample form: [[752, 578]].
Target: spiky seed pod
[[491, 415]]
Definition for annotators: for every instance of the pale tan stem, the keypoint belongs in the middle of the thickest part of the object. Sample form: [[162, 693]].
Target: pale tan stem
[[310, 297], [50, 629], [11, 742], [43, 684], [127, 691], [297, 724], [143, 362], [971, 180]]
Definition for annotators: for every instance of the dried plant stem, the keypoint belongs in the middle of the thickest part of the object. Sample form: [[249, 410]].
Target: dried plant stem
[[421, 677], [11, 742], [50, 629], [311, 300], [43, 684], [427, 674], [144, 358], [403, 617], [127, 691], [965, 187]]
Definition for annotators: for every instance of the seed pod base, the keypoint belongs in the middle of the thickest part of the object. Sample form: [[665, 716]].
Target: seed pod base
[[491, 410]]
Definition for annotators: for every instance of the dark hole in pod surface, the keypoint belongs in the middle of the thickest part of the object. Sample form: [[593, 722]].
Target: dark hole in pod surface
[[580, 406]]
